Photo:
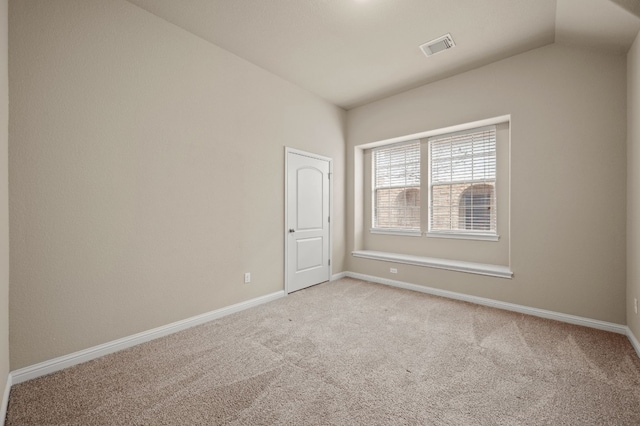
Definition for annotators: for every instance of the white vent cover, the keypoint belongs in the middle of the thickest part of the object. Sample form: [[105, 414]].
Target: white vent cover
[[438, 45]]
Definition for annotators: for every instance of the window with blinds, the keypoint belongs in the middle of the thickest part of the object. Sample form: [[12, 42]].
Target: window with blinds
[[462, 181], [396, 187]]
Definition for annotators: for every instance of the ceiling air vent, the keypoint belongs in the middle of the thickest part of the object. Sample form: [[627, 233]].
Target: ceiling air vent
[[438, 45]]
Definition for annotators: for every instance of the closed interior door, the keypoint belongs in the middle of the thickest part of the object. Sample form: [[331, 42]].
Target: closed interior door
[[308, 221]]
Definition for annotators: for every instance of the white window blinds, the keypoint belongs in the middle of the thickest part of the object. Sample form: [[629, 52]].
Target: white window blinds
[[396, 186], [462, 182]]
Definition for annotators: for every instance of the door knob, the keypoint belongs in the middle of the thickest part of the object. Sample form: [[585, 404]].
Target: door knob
[[292, 230]]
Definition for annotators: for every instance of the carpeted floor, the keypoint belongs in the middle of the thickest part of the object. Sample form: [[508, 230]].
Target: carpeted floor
[[351, 353]]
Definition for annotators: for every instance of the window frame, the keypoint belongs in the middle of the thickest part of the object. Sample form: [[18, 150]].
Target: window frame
[[462, 233]]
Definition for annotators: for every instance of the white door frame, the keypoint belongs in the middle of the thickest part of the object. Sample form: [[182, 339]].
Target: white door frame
[[288, 151]]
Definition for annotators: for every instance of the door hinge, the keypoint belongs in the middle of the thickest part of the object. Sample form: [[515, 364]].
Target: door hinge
[[329, 219], [329, 174], [329, 262]]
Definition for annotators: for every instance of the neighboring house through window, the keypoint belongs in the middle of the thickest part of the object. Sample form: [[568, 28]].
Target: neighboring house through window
[[475, 208]]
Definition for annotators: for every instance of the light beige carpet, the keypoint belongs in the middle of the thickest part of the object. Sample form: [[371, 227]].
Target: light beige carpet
[[351, 353]]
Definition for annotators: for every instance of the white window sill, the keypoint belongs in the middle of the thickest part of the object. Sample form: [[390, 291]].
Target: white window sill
[[432, 262], [388, 231], [463, 236]]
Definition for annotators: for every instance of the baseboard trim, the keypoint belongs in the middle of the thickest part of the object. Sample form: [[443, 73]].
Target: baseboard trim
[[339, 275], [5, 399], [65, 361], [542, 313], [634, 341]]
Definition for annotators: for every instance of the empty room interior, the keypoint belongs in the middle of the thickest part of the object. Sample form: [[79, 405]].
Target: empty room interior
[[319, 212]]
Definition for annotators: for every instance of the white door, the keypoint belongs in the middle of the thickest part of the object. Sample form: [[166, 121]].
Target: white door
[[307, 223]]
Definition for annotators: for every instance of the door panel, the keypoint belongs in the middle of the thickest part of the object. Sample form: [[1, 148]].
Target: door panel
[[308, 200], [309, 253]]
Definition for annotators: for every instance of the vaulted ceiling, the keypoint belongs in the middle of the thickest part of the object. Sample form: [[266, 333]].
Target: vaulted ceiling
[[351, 52]]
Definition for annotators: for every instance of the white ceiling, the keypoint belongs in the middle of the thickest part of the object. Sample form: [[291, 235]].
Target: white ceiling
[[351, 52]]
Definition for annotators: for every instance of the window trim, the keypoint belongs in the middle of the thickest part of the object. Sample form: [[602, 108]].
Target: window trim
[[397, 231], [360, 151]]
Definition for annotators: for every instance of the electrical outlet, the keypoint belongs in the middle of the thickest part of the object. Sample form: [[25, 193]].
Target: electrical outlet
[[247, 277], [635, 305], [393, 270]]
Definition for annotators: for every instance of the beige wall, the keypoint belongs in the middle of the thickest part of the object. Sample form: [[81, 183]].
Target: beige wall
[[568, 175], [633, 185], [4, 197], [147, 174]]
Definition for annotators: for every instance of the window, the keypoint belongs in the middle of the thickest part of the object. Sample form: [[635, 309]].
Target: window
[[396, 187], [462, 196]]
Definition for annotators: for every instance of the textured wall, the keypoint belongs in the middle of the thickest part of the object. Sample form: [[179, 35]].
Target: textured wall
[[568, 175], [4, 196], [147, 174], [633, 185]]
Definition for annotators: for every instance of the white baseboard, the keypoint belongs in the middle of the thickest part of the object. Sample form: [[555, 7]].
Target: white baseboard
[[634, 341], [5, 399], [339, 275], [65, 361], [571, 319]]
